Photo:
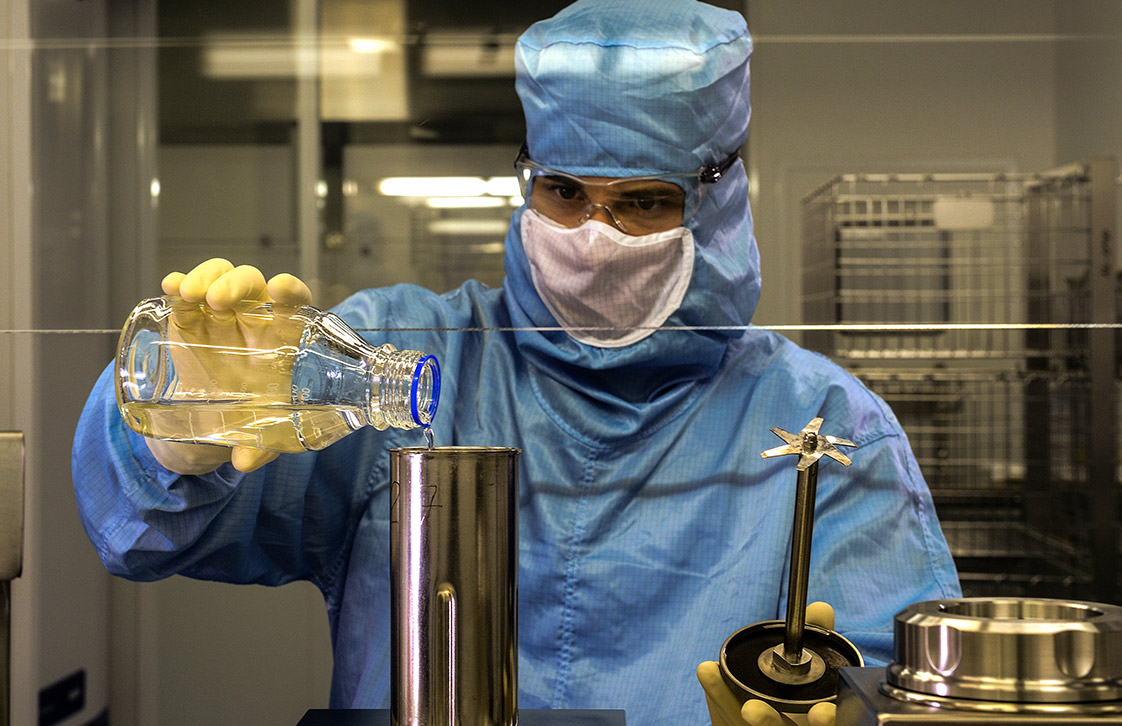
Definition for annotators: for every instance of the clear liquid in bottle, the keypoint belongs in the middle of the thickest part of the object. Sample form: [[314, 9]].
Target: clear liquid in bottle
[[264, 376]]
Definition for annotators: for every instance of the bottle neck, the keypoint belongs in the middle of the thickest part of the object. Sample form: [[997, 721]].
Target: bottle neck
[[376, 386], [404, 388]]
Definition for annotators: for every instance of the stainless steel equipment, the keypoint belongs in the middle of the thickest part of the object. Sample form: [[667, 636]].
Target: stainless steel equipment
[[994, 660], [454, 569], [788, 663], [981, 307]]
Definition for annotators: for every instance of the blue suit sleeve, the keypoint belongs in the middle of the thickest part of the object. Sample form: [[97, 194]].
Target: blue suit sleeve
[[878, 546], [290, 520]]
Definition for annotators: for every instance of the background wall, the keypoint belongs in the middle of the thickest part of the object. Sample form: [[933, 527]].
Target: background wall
[[1089, 88], [60, 603], [884, 86]]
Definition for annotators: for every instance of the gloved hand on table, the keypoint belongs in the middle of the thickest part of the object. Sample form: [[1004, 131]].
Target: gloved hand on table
[[221, 285], [725, 709]]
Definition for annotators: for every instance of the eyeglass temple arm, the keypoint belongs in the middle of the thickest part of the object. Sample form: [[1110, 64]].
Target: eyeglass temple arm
[[712, 173], [523, 153]]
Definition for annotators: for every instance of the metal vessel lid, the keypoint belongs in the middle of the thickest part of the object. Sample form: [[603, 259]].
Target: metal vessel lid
[[1034, 650]]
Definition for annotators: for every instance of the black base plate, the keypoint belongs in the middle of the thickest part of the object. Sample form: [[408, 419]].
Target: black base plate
[[741, 671]]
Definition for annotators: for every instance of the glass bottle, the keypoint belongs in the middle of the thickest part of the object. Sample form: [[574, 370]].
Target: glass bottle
[[264, 375]]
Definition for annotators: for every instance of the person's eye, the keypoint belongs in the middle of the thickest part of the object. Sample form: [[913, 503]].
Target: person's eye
[[563, 190], [647, 206]]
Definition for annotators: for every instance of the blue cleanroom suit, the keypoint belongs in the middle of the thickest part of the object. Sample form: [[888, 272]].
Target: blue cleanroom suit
[[650, 526]]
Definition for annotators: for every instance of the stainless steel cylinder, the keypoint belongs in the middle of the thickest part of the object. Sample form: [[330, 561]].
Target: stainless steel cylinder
[[454, 586], [1009, 649]]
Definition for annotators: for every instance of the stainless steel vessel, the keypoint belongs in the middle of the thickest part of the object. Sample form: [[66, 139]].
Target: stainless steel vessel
[[1009, 649], [454, 588], [994, 660]]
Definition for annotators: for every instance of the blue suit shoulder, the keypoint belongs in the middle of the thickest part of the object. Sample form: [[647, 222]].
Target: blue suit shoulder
[[809, 381], [472, 304]]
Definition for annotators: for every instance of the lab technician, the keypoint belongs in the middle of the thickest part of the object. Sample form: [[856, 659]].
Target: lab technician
[[651, 528]]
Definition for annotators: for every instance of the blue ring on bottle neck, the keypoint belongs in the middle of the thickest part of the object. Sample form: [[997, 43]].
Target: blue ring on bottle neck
[[435, 389]]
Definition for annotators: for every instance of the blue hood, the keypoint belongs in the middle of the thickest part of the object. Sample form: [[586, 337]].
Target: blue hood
[[627, 87]]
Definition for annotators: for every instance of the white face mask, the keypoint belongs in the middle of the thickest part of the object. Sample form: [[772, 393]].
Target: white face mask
[[594, 276]]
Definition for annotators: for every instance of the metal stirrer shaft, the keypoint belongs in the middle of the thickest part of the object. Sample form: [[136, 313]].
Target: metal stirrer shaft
[[797, 582], [809, 446]]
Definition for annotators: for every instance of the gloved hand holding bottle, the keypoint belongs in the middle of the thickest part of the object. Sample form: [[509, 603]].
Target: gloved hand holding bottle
[[726, 710], [221, 286], [231, 360]]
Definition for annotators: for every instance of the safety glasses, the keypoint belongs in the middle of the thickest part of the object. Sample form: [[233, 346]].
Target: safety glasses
[[636, 205]]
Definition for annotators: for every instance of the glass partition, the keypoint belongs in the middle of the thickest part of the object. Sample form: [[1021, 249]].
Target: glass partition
[[935, 194]]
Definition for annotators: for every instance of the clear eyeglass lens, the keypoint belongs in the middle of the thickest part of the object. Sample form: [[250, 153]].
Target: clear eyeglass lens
[[637, 207]]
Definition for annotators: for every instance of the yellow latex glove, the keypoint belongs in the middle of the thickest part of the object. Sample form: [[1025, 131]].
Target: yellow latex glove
[[725, 710], [221, 285]]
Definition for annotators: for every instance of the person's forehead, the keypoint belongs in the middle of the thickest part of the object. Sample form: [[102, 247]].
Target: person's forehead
[[621, 180]]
